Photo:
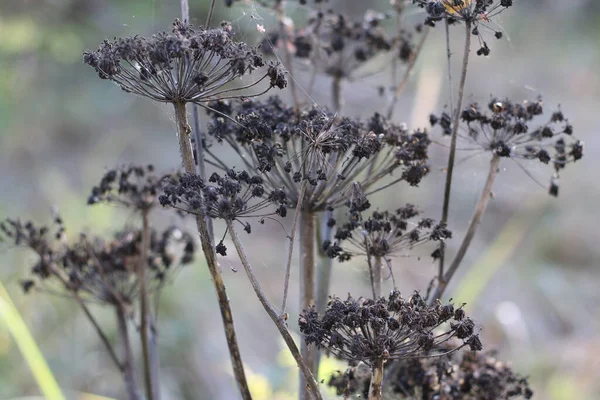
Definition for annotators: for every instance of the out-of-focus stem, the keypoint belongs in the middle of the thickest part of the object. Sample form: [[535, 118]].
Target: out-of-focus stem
[[150, 356], [377, 276], [375, 389], [284, 37], [451, 156], [131, 386], [308, 235], [211, 258], [311, 389], [336, 94], [478, 214]]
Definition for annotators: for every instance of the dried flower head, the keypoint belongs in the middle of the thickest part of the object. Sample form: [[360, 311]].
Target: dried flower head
[[385, 234], [458, 376], [338, 46], [477, 13], [332, 155], [231, 196], [505, 131], [185, 65], [394, 328], [132, 186], [95, 269]]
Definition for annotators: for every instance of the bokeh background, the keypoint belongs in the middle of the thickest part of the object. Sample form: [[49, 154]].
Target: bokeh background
[[531, 277]]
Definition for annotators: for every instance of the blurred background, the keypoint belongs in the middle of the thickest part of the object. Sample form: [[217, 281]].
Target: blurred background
[[530, 278]]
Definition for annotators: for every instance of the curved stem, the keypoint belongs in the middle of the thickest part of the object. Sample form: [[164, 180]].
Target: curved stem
[[452, 155], [375, 389], [311, 383], [479, 211], [211, 258], [308, 233]]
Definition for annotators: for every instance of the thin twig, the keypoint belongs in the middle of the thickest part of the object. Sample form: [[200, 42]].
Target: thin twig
[[408, 73], [133, 392], [288, 267], [452, 155], [211, 9], [99, 331], [211, 258], [479, 211], [311, 384]]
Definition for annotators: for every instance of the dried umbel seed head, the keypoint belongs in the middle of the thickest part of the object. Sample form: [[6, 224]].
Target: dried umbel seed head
[[132, 186], [506, 130], [233, 196], [184, 65], [477, 13], [458, 376], [95, 269], [313, 148], [387, 328], [385, 234]]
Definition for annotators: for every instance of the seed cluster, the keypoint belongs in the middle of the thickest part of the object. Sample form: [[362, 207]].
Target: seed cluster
[[311, 145], [92, 268], [384, 234], [386, 328], [458, 376], [505, 131], [185, 65]]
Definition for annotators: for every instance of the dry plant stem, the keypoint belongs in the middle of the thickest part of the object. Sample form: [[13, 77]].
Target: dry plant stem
[[211, 9], [200, 144], [408, 73], [325, 264], [280, 11], [131, 385], [288, 267], [109, 347], [452, 155], [479, 211], [308, 235], [377, 277], [376, 380], [211, 258], [149, 352], [336, 94], [312, 388]]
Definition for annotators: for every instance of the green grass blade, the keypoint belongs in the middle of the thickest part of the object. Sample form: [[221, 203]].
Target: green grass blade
[[26, 343]]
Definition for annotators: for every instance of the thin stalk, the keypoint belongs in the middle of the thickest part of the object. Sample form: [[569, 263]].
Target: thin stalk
[[336, 94], [308, 234], [211, 10], [100, 332], [288, 267], [131, 386], [375, 390], [150, 357], [211, 258], [452, 155], [312, 388], [280, 11], [408, 73], [475, 221]]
